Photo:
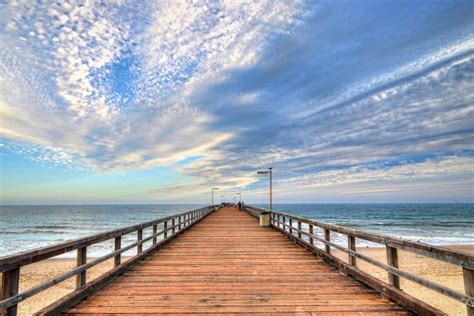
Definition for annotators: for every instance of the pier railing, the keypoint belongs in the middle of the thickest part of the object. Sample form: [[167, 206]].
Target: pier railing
[[308, 232], [167, 228]]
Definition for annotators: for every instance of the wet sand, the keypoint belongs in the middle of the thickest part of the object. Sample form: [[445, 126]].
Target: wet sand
[[443, 273]]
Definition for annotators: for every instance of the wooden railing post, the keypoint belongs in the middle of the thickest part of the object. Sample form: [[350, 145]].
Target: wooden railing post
[[299, 229], [392, 261], [81, 259], [311, 240], [165, 228], [290, 222], [10, 284], [139, 238], [284, 223], [351, 244], [155, 230], [468, 275], [327, 237], [172, 226], [118, 245]]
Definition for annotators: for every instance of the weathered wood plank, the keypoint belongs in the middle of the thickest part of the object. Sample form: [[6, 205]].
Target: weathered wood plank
[[81, 259], [469, 288], [117, 246], [351, 244], [233, 309], [10, 285], [327, 237], [392, 260], [139, 238], [155, 230]]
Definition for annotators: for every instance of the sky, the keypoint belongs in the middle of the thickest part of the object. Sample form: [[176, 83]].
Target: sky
[[158, 101]]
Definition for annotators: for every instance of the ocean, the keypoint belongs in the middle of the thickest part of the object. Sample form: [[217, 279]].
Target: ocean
[[26, 227]]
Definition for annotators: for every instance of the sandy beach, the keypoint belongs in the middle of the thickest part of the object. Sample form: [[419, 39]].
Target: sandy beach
[[440, 272], [42, 271]]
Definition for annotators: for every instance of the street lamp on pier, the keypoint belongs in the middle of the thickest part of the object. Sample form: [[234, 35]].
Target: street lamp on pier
[[212, 193], [269, 172]]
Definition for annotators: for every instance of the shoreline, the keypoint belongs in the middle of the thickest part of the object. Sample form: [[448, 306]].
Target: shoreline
[[434, 270]]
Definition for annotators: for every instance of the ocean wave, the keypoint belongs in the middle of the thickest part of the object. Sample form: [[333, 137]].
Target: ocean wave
[[33, 231], [50, 226]]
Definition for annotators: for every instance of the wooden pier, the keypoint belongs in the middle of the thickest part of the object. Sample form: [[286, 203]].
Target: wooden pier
[[223, 262], [228, 264]]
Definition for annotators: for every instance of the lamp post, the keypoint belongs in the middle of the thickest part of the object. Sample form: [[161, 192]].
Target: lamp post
[[240, 196], [269, 171], [212, 193]]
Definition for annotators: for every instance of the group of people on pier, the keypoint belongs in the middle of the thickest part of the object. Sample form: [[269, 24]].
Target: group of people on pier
[[239, 205]]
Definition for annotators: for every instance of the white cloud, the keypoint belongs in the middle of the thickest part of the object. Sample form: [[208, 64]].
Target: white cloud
[[124, 86], [68, 48]]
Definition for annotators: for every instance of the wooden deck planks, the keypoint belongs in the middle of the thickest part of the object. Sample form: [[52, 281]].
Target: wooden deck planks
[[227, 264]]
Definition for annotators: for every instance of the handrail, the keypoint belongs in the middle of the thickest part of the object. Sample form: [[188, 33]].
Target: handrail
[[254, 211], [10, 265], [284, 223]]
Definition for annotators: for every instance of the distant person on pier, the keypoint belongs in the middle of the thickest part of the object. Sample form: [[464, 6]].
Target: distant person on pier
[[239, 205]]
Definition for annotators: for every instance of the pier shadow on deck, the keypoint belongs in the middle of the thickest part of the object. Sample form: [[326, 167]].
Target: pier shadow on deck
[[227, 264]]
